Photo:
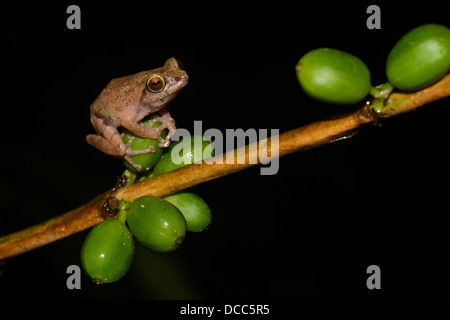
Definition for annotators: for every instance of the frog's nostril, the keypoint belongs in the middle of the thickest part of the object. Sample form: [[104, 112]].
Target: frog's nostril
[[180, 79]]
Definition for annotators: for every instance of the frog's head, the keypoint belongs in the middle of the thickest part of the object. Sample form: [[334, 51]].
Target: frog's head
[[163, 84]]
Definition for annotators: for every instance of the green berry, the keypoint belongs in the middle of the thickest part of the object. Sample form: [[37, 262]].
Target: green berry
[[419, 58], [107, 251], [333, 76], [156, 223], [148, 160], [195, 146], [194, 209]]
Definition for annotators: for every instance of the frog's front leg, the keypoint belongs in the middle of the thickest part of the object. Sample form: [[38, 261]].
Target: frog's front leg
[[148, 131], [167, 122]]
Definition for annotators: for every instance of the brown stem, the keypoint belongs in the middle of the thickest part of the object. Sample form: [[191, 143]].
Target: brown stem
[[300, 139], [408, 102]]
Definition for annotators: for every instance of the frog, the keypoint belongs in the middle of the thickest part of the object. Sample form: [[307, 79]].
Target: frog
[[125, 101]]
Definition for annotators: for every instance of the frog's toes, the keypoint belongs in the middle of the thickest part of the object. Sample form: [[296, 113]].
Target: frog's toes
[[135, 165], [164, 143], [170, 125], [172, 128], [128, 144], [131, 152]]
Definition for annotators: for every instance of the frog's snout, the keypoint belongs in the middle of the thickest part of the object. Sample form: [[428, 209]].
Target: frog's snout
[[182, 79]]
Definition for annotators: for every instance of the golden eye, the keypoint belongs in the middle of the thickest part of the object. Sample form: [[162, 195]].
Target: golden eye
[[156, 84]]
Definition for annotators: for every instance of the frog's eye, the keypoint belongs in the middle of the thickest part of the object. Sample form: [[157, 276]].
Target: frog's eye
[[155, 83]]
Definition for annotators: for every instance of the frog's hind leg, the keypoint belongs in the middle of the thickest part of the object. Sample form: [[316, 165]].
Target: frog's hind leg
[[134, 164], [103, 145], [110, 140], [106, 147]]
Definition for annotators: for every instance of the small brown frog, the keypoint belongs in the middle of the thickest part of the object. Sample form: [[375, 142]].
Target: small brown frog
[[127, 100]]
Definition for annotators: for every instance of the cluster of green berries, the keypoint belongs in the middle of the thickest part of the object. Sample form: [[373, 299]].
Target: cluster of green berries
[[159, 224], [420, 58]]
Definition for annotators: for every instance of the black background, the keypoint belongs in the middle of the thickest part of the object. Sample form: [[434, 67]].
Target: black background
[[309, 231]]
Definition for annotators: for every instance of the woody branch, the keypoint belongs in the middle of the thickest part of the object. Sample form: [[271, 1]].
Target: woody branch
[[300, 139]]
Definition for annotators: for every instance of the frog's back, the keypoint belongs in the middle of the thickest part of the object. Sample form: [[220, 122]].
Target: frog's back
[[118, 97]]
